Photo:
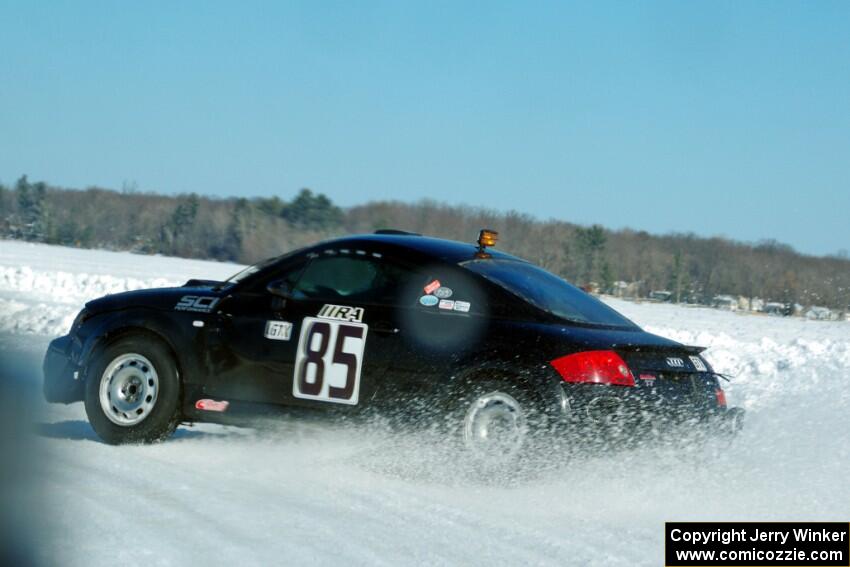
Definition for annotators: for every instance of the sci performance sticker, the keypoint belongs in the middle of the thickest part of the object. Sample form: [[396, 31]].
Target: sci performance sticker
[[447, 304], [342, 313], [278, 330], [196, 303], [428, 300], [462, 306]]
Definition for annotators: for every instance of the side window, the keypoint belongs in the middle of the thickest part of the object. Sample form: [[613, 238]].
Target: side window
[[288, 274], [352, 278]]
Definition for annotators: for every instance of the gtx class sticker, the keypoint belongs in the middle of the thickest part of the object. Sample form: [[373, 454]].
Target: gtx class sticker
[[462, 306], [698, 363], [342, 313], [447, 304], [429, 300], [431, 287], [278, 330], [443, 292], [329, 360], [198, 304], [675, 362]]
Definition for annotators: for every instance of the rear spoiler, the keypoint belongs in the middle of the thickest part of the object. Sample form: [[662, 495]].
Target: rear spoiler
[[663, 349]]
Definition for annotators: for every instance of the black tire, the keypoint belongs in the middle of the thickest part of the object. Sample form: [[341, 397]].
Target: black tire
[[148, 372], [512, 404]]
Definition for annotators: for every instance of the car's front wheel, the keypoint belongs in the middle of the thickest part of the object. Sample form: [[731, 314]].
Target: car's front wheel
[[133, 391]]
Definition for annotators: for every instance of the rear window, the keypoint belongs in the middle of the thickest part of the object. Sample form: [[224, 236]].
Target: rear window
[[547, 291]]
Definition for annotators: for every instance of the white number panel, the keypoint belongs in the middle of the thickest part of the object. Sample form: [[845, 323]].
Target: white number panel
[[329, 359]]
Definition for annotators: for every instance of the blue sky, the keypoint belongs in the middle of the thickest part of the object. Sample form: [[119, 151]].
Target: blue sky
[[718, 118]]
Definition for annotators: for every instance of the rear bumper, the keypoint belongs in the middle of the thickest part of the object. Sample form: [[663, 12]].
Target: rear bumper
[[628, 411], [62, 379]]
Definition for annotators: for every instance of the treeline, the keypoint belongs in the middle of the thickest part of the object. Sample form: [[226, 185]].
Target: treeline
[[693, 268]]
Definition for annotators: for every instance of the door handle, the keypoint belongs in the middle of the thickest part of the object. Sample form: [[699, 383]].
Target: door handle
[[385, 328]]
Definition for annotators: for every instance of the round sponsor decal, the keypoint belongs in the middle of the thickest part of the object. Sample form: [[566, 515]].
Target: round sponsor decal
[[443, 292], [428, 300]]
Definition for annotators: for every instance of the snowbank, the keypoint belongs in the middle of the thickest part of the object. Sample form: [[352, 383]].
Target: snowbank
[[43, 287]]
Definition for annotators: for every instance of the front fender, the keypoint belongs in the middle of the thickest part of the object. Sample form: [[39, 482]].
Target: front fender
[[174, 330]]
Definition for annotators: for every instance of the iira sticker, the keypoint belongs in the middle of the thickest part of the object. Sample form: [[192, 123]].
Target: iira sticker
[[447, 304], [342, 313], [698, 364], [462, 306], [432, 287], [212, 405], [428, 300], [278, 330], [443, 292]]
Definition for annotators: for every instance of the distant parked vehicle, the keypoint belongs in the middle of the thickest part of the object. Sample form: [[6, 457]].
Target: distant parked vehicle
[[817, 313], [774, 308], [661, 295], [726, 302]]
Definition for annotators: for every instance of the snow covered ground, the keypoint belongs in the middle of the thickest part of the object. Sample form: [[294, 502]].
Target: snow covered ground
[[303, 493]]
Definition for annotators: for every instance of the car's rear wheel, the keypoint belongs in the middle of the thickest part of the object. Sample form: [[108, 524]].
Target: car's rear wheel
[[133, 391], [498, 423]]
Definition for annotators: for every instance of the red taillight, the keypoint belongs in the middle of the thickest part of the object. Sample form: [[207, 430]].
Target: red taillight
[[721, 397], [594, 367]]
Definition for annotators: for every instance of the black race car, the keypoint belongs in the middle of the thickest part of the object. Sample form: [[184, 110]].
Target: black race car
[[393, 323]]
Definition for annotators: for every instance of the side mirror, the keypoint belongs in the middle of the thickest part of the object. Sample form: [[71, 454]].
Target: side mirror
[[279, 288]]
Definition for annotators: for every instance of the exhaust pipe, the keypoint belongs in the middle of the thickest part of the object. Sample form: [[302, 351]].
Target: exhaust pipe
[[604, 410]]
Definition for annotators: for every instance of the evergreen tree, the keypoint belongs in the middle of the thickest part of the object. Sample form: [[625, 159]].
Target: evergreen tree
[[311, 211], [237, 230], [180, 224], [677, 281], [32, 212], [590, 242], [606, 277], [273, 206]]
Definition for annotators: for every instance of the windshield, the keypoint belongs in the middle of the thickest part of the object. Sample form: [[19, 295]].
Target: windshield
[[250, 270], [547, 291]]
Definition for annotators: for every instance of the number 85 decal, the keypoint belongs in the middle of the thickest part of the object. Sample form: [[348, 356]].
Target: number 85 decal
[[330, 355]]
